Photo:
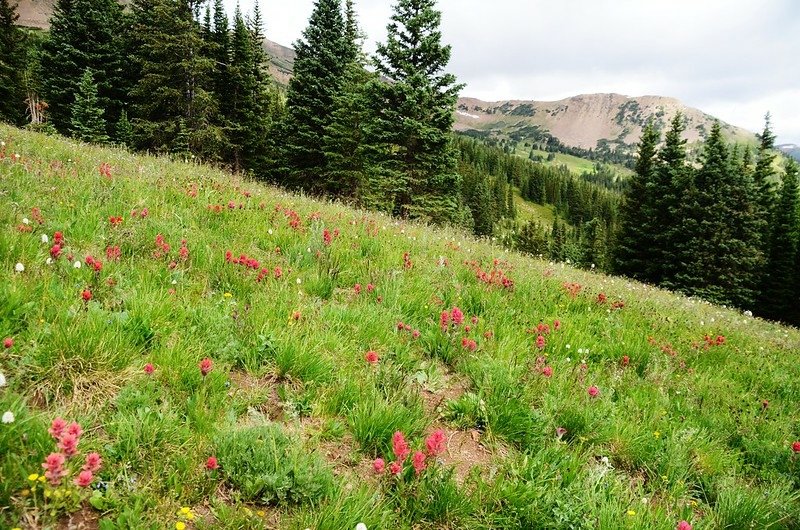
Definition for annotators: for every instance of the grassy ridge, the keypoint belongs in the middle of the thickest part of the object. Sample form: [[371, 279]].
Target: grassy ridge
[[680, 428]]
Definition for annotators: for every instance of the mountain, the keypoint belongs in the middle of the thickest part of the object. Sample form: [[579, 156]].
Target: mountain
[[587, 121], [792, 150]]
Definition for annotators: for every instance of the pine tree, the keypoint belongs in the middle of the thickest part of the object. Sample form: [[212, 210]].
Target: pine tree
[[779, 297], [12, 66], [173, 96], [412, 115], [531, 239], [764, 172], [323, 54], [83, 34], [124, 130], [633, 255], [87, 122]]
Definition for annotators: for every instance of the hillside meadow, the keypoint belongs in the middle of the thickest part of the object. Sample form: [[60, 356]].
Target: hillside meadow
[[186, 349]]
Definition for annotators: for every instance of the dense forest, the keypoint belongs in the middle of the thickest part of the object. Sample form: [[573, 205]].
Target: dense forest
[[178, 77]]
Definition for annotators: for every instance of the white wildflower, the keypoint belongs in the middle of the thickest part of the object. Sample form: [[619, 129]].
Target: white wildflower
[[299, 281], [2, 380], [361, 526], [26, 221], [748, 313], [49, 261], [19, 267], [269, 231], [77, 265], [45, 239], [8, 417]]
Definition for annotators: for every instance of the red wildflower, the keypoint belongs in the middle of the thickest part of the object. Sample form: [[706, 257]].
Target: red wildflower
[[357, 288], [296, 315], [625, 360], [407, 263], [415, 334], [54, 468], [115, 221], [105, 170], [86, 295], [231, 205], [145, 212], [68, 444], [488, 334], [418, 461], [370, 287], [184, 251], [149, 368], [765, 404], [474, 320], [540, 342], [683, 525], [58, 238], [93, 463], [796, 447], [560, 432], [547, 371], [593, 391], [278, 272], [601, 298], [395, 468], [84, 479], [469, 344], [720, 340], [371, 357], [379, 465], [113, 253], [8, 343], [211, 463], [75, 429], [206, 365], [444, 319], [326, 237], [456, 316], [556, 325], [400, 446], [435, 444], [57, 428], [55, 251]]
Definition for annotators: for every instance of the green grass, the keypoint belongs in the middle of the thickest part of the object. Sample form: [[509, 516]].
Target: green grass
[[295, 415], [530, 211]]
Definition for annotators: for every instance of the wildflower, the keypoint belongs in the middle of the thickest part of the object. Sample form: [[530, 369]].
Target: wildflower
[[415, 334], [45, 239], [8, 417], [357, 288], [625, 360], [683, 525], [418, 461], [55, 251], [326, 237], [435, 443], [370, 288], [75, 429], [296, 316], [8, 342], [371, 357], [180, 525], [631, 513], [593, 391], [556, 324], [211, 463], [395, 468], [54, 468], [601, 298], [57, 428], [77, 265], [547, 371], [540, 342], [379, 465], [84, 479], [2, 380], [205, 366], [560, 432], [796, 447], [33, 477], [19, 267], [400, 446], [656, 434], [149, 368], [361, 526], [68, 444], [456, 316], [93, 463], [86, 295], [444, 319]]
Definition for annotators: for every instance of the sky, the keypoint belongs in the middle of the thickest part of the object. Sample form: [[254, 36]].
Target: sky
[[734, 59]]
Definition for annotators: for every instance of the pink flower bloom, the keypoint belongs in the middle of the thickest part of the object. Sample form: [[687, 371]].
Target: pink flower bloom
[[475, 320], [68, 444], [540, 342], [149, 368], [444, 319], [86, 295], [547, 371], [683, 525], [211, 463], [57, 428], [796, 447], [457, 316], [556, 325], [560, 432], [93, 463], [357, 288], [593, 391], [415, 334], [400, 446], [206, 365], [418, 461], [8, 343], [55, 251], [84, 479], [436, 442], [379, 465], [75, 429], [371, 357], [625, 360], [395, 468], [326, 237], [370, 287], [54, 468]]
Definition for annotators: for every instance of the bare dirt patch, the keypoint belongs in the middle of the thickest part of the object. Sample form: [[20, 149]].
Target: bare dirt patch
[[464, 452], [85, 519]]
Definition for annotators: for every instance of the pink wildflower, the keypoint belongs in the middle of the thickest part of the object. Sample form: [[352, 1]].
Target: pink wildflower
[[149, 368], [68, 444], [593, 391], [371, 357], [456, 316], [84, 479], [547, 371], [57, 428], [683, 525], [93, 463], [379, 465], [206, 365], [418, 461], [211, 463], [400, 446], [435, 443], [395, 468]]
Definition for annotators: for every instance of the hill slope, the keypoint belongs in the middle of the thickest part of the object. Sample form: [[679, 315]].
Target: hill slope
[[327, 330]]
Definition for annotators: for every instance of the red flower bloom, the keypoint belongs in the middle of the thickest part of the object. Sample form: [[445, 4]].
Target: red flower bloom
[[206, 365], [84, 479], [370, 287], [211, 463], [418, 461], [593, 391], [93, 463], [379, 465], [547, 371], [75, 430], [54, 468], [113, 253], [556, 325], [415, 334], [58, 238], [601, 298], [683, 525], [68, 444], [540, 342], [149, 368], [400, 446], [796, 447], [357, 288], [435, 444], [296, 316], [371, 357], [456, 316], [625, 360], [326, 237], [55, 251], [8, 342], [395, 468], [86, 295], [57, 428]]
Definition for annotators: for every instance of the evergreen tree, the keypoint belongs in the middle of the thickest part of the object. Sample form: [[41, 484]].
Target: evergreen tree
[[12, 66], [779, 298], [531, 239], [764, 172], [172, 97], [412, 115], [319, 71], [124, 130], [87, 122], [83, 34], [633, 255]]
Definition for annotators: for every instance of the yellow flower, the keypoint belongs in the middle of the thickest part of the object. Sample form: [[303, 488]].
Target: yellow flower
[[631, 513], [228, 295], [180, 525], [33, 477], [693, 503], [42, 478], [261, 513], [185, 510], [26, 492], [248, 512], [657, 434], [190, 516]]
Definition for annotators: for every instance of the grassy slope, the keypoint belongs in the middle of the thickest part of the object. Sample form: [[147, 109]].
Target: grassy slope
[[680, 433]]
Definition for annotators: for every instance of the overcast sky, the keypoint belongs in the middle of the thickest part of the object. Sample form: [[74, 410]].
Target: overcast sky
[[735, 59]]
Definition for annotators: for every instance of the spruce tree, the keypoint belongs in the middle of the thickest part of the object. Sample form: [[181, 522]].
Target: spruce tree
[[124, 130], [633, 255], [764, 172], [87, 121], [412, 115], [323, 54], [12, 66], [779, 297], [83, 34]]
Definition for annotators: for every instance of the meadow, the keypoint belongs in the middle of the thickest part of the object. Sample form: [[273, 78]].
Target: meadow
[[184, 348]]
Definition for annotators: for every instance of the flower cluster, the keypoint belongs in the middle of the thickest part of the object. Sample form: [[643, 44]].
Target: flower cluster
[[113, 253], [67, 438], [435, 444], [401, 326], [162, 247], [407, 263], [496, 276], [573, 289], [142, 214], [453, 318], [105, 170], [115, 221]]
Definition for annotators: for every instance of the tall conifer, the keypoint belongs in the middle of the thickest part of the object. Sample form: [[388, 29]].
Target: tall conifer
[[12, 65]]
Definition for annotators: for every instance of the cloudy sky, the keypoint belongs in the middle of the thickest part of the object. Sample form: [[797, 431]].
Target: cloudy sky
[[735, 59]]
